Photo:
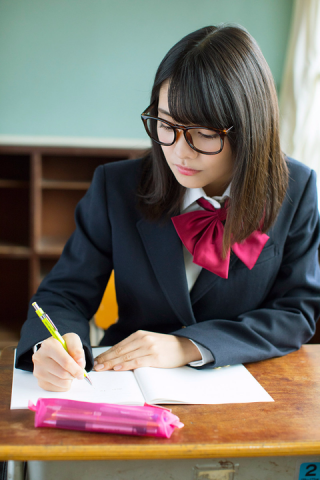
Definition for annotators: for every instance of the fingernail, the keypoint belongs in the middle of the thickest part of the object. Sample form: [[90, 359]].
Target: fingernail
[[117, 367], [95, 363], [80, 376], [100, 366]]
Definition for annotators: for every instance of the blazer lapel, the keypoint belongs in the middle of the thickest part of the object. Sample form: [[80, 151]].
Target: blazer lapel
[[206, 281], [164, 249]]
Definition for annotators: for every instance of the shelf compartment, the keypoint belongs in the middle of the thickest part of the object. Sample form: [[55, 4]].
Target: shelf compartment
[[70, 168], [14, 217], [57, 219], [64, 185], [14, 303], [15, 167]]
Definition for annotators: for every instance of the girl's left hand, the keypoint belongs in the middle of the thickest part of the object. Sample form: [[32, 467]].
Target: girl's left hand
[[148, 349]]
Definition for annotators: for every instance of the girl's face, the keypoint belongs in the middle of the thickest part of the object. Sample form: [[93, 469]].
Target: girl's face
[[192, 169]]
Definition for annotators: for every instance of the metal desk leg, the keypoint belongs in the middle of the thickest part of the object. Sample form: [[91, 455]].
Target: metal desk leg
[[15, 470]]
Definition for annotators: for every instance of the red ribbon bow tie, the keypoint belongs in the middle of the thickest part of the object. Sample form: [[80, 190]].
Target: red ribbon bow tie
[[201, 232]]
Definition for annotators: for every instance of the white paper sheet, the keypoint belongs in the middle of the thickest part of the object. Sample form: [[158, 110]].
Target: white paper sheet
[[233, 384]]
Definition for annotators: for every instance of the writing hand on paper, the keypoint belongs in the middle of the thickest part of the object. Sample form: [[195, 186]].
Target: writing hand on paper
[[148, 349], [55, 368]]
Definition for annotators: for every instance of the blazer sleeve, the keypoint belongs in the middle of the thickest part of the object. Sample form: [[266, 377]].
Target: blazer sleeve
[[72, 291], [286, 318]]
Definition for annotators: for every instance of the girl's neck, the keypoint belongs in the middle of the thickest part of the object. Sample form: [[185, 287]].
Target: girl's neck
[[215, 190]]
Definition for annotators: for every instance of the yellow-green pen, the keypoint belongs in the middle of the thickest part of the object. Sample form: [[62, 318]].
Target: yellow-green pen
[[47, 322]]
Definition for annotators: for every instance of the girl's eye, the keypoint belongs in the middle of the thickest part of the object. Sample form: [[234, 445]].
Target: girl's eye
[[163, 125], [207, 135]]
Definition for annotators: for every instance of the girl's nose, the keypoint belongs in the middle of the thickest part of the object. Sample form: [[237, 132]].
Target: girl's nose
[[182, 148]]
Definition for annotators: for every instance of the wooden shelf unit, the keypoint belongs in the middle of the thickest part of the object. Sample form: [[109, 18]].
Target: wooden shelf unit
[[39, 189]]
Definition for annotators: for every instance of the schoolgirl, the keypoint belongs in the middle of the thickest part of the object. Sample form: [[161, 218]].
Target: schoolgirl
[[212, 236]]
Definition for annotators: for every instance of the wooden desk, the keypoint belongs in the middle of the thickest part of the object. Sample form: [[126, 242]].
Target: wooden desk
[[288, 427]]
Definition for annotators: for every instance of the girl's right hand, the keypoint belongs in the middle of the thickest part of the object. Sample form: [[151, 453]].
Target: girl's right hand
[[55, 368]]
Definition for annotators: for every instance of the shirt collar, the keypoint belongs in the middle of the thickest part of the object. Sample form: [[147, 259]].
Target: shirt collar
[[193, 194]]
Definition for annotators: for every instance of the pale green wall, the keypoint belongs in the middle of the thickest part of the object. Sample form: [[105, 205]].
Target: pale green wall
[[85, 67]]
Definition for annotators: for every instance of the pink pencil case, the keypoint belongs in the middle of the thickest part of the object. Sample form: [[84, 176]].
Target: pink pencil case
[[144, 420]]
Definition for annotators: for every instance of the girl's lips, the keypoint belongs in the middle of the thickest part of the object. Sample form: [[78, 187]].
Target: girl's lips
[[186, 171]]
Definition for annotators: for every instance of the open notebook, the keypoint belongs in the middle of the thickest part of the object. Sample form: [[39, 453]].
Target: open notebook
[[186, 385]]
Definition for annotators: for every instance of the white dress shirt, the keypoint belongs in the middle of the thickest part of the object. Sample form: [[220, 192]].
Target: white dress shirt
[[190, 204]]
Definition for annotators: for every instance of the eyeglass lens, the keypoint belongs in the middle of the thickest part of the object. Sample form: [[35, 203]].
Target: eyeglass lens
[[201, 138]]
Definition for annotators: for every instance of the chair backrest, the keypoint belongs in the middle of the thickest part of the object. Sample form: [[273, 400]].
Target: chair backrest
[[107, 313]]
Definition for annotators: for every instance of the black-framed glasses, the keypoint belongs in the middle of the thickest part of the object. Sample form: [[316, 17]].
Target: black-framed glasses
[[205, 140]]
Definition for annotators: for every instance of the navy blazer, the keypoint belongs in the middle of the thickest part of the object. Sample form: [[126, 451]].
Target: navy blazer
[[253, 315]]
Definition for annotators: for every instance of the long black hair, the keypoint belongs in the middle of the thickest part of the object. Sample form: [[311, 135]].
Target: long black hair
[[219, 78]]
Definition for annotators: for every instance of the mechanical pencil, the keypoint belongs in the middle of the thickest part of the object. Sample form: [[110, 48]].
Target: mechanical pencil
[[48, 323]]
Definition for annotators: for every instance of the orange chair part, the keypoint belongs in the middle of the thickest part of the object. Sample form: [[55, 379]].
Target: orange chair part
[[107, 313]]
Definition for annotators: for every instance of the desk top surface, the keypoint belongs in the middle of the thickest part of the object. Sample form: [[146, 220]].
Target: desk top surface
[[288, 426]]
